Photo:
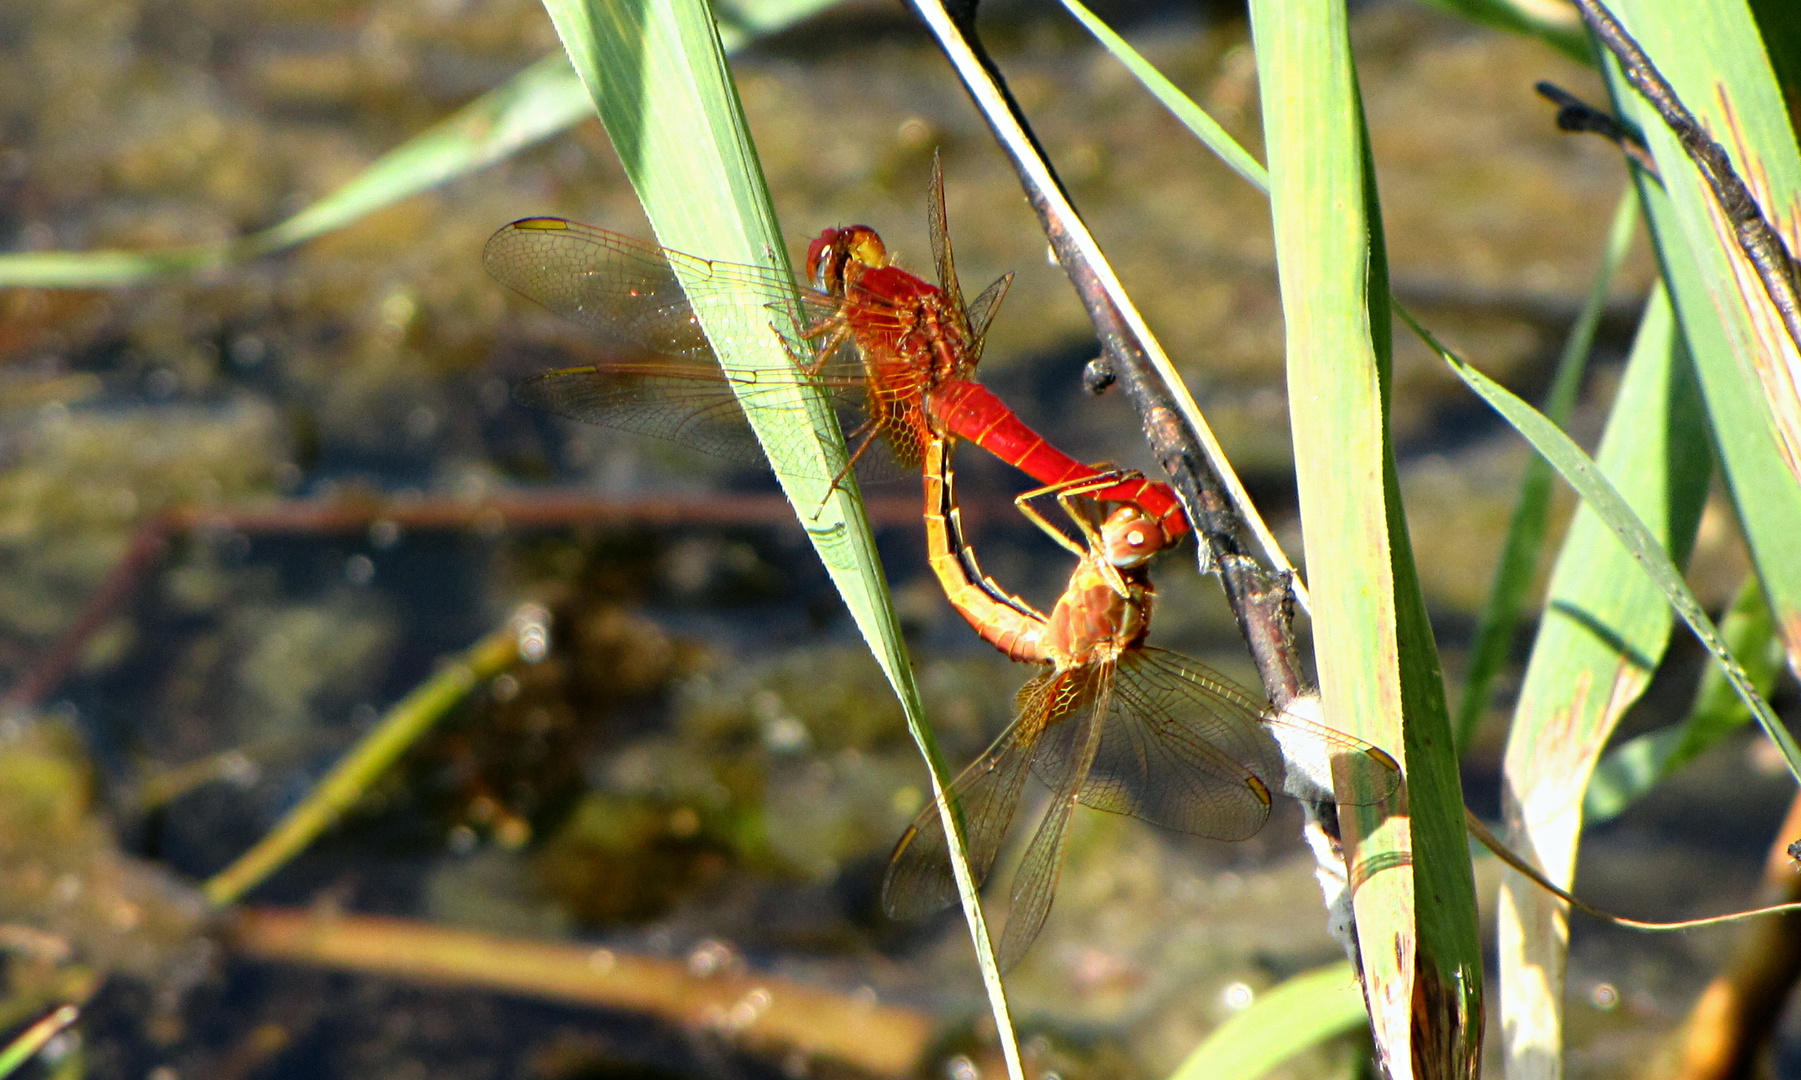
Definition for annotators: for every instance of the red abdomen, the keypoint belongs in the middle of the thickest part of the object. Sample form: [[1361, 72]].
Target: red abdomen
[[970, 411]]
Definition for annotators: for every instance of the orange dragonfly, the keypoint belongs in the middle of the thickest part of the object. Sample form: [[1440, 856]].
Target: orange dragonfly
[[1110, 723], [881, 341]]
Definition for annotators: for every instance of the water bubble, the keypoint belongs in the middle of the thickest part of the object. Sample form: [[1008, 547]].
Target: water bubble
[[1237, 996]]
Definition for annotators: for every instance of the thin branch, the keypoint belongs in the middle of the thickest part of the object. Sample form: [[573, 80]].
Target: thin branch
[[1576, 115]]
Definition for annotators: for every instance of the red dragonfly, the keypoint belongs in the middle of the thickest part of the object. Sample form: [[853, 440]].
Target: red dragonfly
[[870, 333], [1110, 723]]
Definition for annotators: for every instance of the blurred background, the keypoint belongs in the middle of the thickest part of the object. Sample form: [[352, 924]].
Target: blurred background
[[244, 512]]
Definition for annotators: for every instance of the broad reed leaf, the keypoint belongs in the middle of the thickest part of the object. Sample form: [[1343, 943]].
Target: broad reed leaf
[[656, 72], [1290, 1017], [1414, 899]]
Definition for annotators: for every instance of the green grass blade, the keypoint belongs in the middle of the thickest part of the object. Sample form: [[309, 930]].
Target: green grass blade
[[1192, 116], [1699, 268], [27, 1044], [1415, 903], [338, 790], [539, 102], [535, 104], [1604, 627], [1518, 565], [1581, 473], [1633, 768], [656, 73], [1302, 1012]]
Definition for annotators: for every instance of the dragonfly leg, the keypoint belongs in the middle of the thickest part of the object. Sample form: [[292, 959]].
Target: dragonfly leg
[[868, 432], [1065, 492], [833, 330]]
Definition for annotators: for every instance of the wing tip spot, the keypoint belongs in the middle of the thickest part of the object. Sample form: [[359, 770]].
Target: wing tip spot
[[1258, 789]]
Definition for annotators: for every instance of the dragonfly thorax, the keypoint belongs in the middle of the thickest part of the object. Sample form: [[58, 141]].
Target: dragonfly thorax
[[1093, 622]]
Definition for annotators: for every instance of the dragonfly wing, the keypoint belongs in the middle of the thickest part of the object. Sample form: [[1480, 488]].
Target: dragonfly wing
[[982, 311], [692, 403], [1189, 749], [941, 239], [695, 408], [630, 290], [1035, 882], [919, 880], [1186, 749]]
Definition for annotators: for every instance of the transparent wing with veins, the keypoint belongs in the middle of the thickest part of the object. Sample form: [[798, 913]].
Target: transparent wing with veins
[[630, 292]]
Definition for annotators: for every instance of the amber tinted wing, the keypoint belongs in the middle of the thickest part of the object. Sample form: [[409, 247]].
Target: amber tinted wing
[[686, 403], [1186, 748], [982, 310], [1176, 750], [1084, 704], [628, 291], [941, 241], [919, 880]]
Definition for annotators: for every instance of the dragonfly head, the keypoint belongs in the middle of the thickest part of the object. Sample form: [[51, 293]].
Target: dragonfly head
[[1129, 537], [831, 254]]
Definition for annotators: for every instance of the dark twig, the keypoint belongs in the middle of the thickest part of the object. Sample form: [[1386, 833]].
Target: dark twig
[[1762, 245], [1261, 600], [1576, 115]]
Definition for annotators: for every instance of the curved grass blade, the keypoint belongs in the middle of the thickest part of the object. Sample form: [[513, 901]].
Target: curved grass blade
[[538, 102], [656, 72], [1378, 665], [1518, 564], [1192, 116], [1632, 769], [1581, 473], [1299, 1013]]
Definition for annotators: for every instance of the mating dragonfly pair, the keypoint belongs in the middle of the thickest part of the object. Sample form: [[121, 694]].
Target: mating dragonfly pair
[[1110, 722]]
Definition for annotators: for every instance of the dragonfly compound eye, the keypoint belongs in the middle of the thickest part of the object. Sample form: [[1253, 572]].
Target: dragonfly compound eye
[[830, 256], [825, 263], [1132, 537]]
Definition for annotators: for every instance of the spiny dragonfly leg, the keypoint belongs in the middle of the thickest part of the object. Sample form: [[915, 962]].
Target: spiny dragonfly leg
[[835, 332], [1065, 492]]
